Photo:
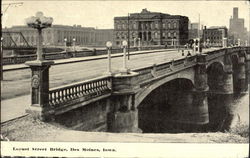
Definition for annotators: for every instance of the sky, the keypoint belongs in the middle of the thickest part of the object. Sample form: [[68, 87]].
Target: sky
[[100, 14]]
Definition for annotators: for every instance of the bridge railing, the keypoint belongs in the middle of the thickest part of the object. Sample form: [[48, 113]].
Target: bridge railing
[[147, 73], [69, 54], [85, 90]]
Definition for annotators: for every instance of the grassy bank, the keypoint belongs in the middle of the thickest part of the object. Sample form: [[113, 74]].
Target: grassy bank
[[28, 129]]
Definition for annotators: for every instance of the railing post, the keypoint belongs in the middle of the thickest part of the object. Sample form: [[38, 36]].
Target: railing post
[[124, 117], [40, 89]]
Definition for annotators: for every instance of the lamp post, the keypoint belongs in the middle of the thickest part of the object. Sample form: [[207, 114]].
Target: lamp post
[[65, 44], [194, 46], [74, 44], [208, 43], [139, 44], [199, 45], [109, 46], [224, 44], [124, 68], [39, 22], [134, 42], [40, 71]]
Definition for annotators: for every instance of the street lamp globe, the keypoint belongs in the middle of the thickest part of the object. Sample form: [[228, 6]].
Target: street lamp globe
[[109, 44], [124, 43], [65, 39], [74, 39], [39, 22]]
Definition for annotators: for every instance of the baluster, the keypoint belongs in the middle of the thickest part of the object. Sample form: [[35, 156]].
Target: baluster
[[83, 89], [68, 94], [80, 90], [95, 87], [71, 93], [89, 88], [86, 89], [75, 91], [50, 99], [63, 95], [57, 97], [102, 85]]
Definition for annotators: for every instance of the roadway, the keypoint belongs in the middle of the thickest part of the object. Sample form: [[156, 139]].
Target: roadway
[[16, 84]]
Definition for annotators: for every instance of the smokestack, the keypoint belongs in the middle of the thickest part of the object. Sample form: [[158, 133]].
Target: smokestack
[[235, 13]]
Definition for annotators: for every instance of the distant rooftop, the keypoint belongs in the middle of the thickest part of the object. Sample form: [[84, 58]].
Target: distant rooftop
[[217, 27], [145, 14]]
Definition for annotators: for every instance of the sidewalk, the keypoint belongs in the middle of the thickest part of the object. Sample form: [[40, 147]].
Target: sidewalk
[[14, 107], [80, 59]]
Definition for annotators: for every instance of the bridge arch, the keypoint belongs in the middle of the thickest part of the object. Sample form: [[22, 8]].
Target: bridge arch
[[165, 107], [217, 77], [146, 90]]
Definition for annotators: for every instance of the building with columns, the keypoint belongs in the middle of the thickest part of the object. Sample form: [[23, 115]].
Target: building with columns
[[215, 35], [56, 35], [151, 28]]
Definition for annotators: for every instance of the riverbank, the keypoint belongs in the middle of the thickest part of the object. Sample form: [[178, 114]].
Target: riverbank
[[28, 129]]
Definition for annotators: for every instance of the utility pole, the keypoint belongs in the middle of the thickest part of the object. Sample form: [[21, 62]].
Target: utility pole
[[199, 34], [8, 5], [128, 37]]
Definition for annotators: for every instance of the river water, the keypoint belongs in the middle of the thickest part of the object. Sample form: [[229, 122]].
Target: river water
[[225, 112]]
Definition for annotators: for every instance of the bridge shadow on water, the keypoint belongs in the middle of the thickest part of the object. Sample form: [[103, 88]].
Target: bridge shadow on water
[[160, 114]]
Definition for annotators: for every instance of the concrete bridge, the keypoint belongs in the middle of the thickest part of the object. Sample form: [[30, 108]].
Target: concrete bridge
[[125, 102]]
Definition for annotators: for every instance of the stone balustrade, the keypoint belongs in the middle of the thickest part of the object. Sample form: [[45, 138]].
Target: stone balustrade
[[85, 90]]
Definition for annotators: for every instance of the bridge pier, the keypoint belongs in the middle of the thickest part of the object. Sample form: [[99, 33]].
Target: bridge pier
[[241, 76], [200, 104], [124, 116], [220, 98], [39, 108]]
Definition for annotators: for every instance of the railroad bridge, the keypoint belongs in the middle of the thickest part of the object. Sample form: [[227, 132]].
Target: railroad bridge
[[126, 102]]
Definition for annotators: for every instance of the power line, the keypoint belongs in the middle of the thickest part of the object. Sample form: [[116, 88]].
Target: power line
[[15, 4]]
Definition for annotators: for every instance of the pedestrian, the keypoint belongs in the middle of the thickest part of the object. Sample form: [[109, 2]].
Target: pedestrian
[[182, 52]]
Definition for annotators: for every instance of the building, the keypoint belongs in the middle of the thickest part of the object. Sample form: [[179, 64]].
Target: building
[[215, 35], [58, 35], [151, 28], [237, 30], [103, 35], [193, 31]]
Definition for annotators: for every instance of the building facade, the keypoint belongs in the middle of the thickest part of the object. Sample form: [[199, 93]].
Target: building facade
[[59, 35], [215, 35], [237, 30], [151, 28]]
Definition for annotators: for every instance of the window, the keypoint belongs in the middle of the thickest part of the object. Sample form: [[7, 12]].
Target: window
[[134, 25], [169, 25], [174, 34], [169, 34], [175, 25], [164, 25], [156, 25], [152, 26], [156, 34]]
